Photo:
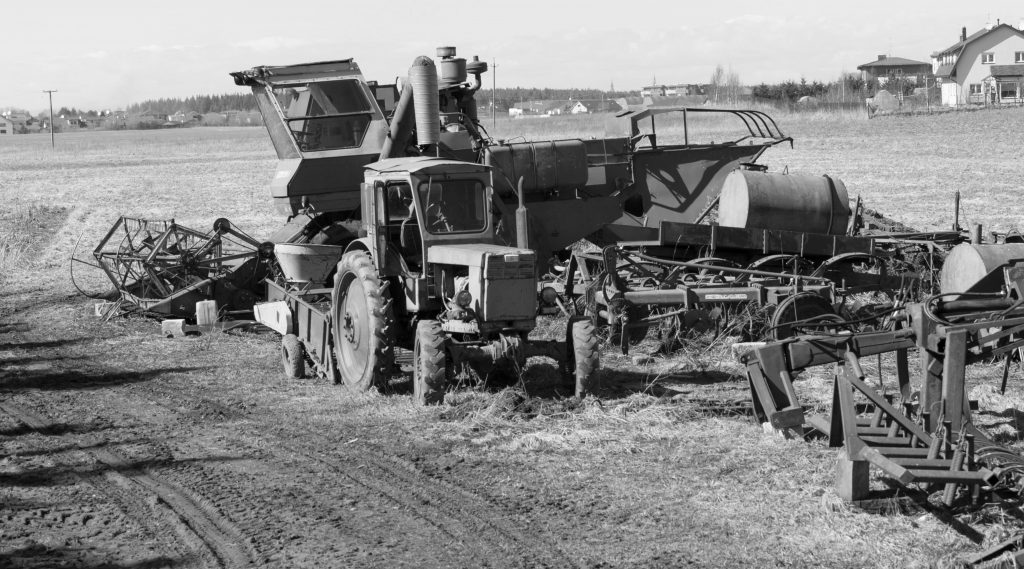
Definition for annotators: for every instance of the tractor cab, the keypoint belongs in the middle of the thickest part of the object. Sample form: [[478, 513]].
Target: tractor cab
[[431, 224]]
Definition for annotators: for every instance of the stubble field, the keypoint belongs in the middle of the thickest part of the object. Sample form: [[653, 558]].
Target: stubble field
[[121, 448]]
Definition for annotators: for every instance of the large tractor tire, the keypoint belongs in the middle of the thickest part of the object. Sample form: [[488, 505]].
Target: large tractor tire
[[362, 323], [583, 356], [292, 357], [430, 360]]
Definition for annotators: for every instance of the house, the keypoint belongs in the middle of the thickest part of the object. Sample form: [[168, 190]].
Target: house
[[986, 67], [6, 126], [543, 108], [183, 117], [681, 90], [593, 106], [898, 68]]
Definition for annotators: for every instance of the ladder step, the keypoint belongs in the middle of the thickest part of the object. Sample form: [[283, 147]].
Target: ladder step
[[878, 431], [914, 463], [886, 441], [893, 452], [922, 475]]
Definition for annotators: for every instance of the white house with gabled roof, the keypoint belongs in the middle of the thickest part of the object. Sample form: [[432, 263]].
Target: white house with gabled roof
[[986, 67]]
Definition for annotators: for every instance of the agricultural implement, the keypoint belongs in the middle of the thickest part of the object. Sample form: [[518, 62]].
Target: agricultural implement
[[164, 268], [787, 245], [924, 438]]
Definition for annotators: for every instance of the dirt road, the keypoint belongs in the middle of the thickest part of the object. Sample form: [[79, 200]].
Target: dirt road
[[109, 458]]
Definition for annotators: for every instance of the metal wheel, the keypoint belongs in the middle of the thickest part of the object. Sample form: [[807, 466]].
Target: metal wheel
[[585, 354], [430, 361], [800, 307], [292, 357], [361, 323]]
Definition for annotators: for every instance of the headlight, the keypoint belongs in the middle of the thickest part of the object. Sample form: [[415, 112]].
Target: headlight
[[464, 299], [548, 295]]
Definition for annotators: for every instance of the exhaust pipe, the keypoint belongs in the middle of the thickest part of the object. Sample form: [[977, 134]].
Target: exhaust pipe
[[401, 125], [423, 80], [522, 223]]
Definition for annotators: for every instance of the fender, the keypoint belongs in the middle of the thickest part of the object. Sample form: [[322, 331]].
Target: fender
[[394, 265]]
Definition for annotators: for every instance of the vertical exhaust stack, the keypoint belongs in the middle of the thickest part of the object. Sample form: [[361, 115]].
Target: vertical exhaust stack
[[401, 125], [423, 80]]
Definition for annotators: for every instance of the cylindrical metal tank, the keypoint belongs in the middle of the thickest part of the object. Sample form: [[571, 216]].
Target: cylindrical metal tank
[[453, 71], [967, 264], [793, 202], [423, 78]]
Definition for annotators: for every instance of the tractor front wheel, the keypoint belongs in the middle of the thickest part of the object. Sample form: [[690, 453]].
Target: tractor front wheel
[[430, 358], [362, 323]]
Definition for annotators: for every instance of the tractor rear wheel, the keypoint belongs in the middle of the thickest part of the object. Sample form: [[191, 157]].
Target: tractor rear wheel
[[362, 323], [430, 361], [292, 357], [583, 348]]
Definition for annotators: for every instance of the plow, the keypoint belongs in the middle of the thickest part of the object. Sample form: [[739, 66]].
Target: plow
[[408, 227]]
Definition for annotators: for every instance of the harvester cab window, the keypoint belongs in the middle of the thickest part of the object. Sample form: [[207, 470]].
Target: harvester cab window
[[325, 115], [454, 206]]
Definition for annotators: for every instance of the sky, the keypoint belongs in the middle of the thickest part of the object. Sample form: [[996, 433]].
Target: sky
[[106, 54]]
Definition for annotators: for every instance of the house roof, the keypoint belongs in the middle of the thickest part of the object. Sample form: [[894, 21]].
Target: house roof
[[955, 48], [944, 70], [892, 62], [1007, 70]]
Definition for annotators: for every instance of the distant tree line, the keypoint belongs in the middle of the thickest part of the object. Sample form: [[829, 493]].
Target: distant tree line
[[848, 87], [198, 103]]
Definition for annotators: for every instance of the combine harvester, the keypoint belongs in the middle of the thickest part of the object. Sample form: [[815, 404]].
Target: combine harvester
[[407, 226]]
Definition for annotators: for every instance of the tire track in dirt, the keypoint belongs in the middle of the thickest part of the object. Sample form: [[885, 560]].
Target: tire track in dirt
[[195, 515], [466, 518]]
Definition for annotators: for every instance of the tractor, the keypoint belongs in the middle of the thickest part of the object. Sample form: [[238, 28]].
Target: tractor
[[427, 273]]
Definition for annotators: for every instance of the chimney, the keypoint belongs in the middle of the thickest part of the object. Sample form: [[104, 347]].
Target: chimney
[[963, 33], [881, 56]]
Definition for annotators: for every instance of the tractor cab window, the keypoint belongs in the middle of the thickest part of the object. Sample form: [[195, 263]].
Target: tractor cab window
[[325, 115], [399, 202], [454, 206]]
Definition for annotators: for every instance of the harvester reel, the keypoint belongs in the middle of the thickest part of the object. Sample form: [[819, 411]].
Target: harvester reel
[[165, 268]]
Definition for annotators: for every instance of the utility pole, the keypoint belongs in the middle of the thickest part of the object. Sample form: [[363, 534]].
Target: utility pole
[[50, 93], [494, 95]]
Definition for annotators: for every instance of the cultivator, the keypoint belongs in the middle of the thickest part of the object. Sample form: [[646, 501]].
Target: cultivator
[[164, 268], [752, 263], [924, 438]]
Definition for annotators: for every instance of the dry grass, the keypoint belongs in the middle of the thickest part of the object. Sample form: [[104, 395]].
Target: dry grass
[[667, 460]]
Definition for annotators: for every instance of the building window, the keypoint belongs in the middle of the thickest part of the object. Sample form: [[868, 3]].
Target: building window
[[1018, 57], [988, 57], [975, 88]]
